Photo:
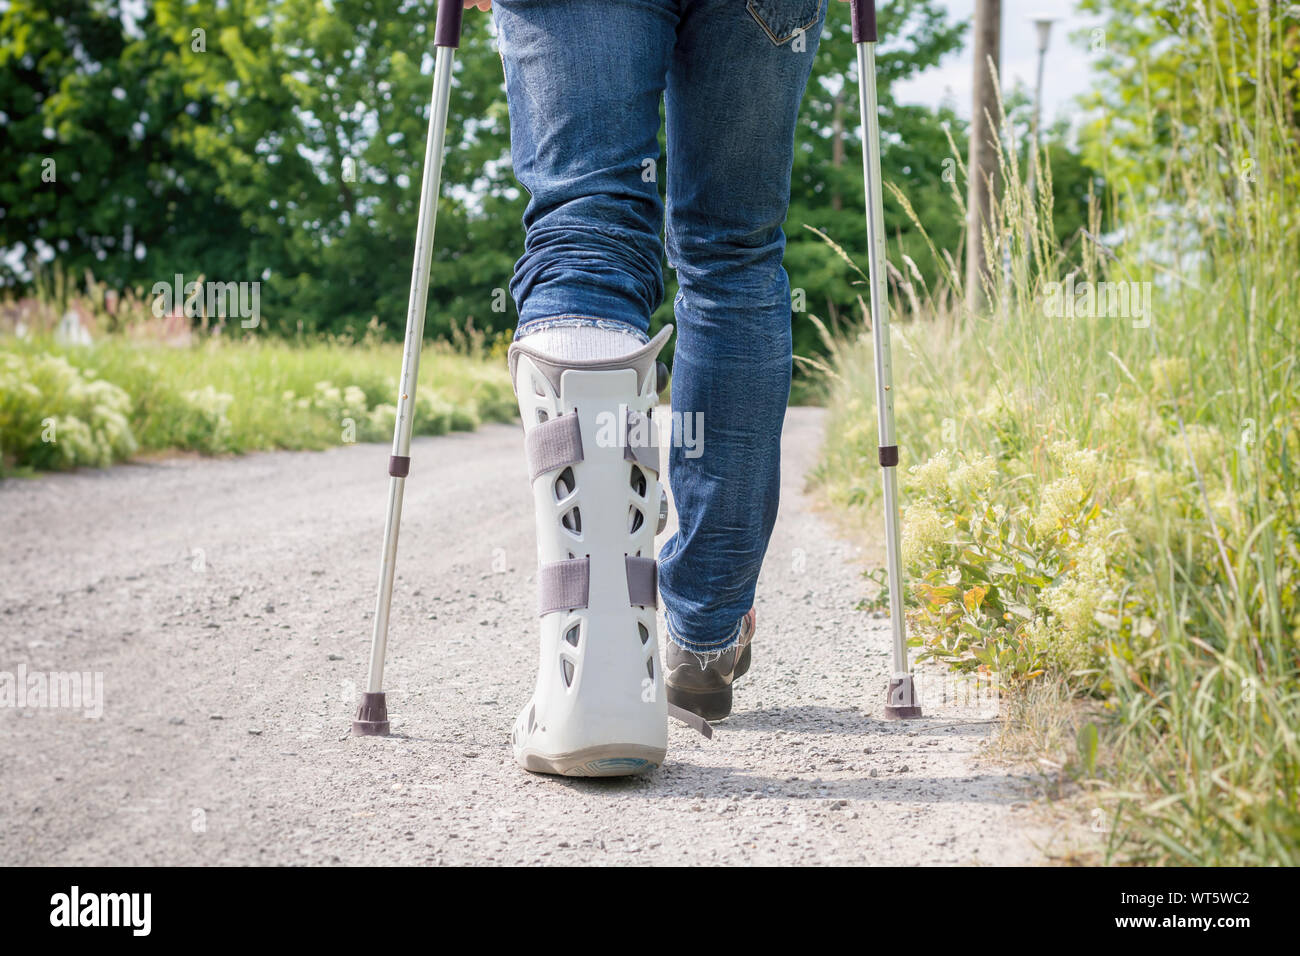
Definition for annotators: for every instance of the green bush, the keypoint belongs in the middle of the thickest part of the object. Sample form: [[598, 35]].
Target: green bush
[[52, 415], [1111, 501], [63, 406]]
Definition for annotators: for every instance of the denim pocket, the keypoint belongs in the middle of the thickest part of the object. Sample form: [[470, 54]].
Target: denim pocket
[[782, 20]]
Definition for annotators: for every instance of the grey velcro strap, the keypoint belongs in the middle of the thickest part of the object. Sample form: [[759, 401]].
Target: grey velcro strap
[[642, 582], [692, 720], [563, 585], [553, 445]]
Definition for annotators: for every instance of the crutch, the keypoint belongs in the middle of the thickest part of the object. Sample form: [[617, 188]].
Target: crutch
[[372, 714], [900, 698]]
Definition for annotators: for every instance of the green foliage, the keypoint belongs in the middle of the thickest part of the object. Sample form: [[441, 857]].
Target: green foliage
[[827, 186], [1109, 499], [94, 170], [281, 141], [983, 563], [278, 141], [318, 137], [54, 415], [65, 406], [922, 165], [1086, 743], [1161, 63]]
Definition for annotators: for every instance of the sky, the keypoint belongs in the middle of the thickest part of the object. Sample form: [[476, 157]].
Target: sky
[[1067, 72]]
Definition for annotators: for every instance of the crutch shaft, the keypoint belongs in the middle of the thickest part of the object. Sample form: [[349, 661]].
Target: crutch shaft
[[372, 717], [888, 453], [399, 463], [900, 699]]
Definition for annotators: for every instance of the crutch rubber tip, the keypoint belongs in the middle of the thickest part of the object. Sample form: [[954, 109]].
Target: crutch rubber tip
[[901, 713], [900, 700], [372, 716]]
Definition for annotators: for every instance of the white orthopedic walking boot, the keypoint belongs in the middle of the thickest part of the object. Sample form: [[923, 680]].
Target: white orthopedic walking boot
[[599, 708]]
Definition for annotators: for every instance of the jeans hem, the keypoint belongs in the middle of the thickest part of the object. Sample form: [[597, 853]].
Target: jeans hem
[[712, 648]]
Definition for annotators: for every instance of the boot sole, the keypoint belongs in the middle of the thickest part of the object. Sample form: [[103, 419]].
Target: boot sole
[[709, 704], [607, 760]]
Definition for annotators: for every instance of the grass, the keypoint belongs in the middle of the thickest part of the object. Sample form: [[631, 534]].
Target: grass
[[1108, 503], [64, 406]]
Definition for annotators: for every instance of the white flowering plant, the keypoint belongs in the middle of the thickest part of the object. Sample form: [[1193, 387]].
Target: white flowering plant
[[54, 415]]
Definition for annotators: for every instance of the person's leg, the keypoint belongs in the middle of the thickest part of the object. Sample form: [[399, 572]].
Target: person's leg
[[737, 76], [584, 80]]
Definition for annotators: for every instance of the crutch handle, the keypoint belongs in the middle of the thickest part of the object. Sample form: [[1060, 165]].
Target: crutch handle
[[446, 32], [863, 15]]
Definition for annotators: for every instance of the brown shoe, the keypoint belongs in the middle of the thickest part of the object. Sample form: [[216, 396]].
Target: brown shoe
[[703, 685]]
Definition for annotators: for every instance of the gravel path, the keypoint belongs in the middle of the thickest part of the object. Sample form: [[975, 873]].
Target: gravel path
[[227, 604]]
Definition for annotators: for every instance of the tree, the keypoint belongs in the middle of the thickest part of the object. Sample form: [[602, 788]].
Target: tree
[[94, 175], [827, 190], [318, 138], [917, 158], [281, 141], [1148, 57]]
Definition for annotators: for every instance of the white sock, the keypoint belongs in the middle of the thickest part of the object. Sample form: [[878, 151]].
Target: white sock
[[572, 342]]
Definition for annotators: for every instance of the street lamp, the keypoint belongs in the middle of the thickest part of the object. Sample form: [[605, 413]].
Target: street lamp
[[1044, 27]]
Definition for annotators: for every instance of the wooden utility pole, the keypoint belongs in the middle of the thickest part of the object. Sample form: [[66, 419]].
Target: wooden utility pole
[[982, 161]]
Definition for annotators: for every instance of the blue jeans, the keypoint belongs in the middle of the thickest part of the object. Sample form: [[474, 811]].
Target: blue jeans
[[584, 79]]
